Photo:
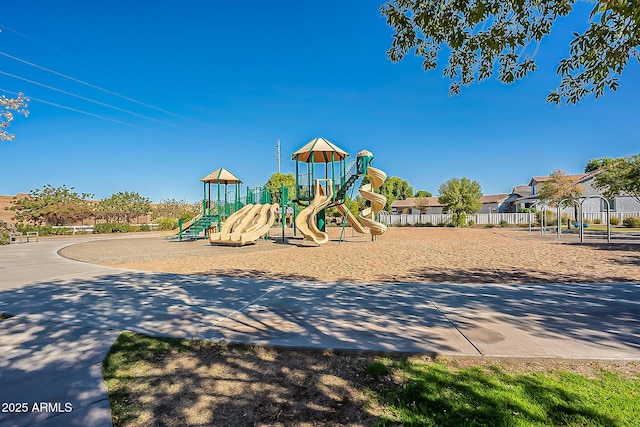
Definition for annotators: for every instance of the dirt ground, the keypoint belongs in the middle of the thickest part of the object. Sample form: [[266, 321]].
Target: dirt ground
[[430, 255]]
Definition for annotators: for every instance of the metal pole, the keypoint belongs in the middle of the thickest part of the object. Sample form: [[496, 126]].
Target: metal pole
[[580, 225], [559, 222], [608, 222], [278, 154]]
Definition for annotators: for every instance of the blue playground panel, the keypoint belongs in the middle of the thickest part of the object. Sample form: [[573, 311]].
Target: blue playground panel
[[577, 225]]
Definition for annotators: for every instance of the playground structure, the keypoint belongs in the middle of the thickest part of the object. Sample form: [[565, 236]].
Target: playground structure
[[221, 213], [578, 203], [316, 195], [240, 221]]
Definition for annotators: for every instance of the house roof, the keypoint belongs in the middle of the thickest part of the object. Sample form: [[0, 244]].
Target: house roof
[[576, 177], [411, 202], [434, 203], [522, 190], [493, 198]]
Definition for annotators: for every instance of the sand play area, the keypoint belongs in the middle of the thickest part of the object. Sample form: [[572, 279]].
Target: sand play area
[[430, 255]]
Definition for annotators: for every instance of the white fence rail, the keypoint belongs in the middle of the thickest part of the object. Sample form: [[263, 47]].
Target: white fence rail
[[492, 218], [89, 228]]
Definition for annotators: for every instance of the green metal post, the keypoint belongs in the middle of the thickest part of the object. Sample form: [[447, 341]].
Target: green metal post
[[333, 173], [295, 214], [297, 187], [204, 199]]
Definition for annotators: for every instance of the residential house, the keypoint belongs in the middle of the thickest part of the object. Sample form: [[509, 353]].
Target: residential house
[[494, 203], [593, 203]]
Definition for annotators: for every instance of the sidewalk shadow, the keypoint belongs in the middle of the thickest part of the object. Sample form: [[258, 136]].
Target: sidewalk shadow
[[605, 314]]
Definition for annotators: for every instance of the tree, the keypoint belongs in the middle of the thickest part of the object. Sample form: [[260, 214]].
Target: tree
[[274, 186], [621, 176], [395, 188], [482, 36], [175, 209], [52, 205], [558, 187], [19, 105], [422, 204], [423, 193], [595, 164], [122, 206], [460, 196]]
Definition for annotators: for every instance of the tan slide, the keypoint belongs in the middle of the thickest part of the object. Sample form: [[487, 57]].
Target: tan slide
[[351, 219], [378, 201], [227, 227], [254, 223], [306, 219], [262, 225]]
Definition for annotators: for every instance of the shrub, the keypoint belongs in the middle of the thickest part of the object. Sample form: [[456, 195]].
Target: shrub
[[187, 216], [441, 224], [6, 230], [614, 221], [450, 224], [43, 230], [503, 223], [489, 225], [549, 217], [166, 223], [596, 221], [111, 227], [470, 223], [429, 224], [631, 222], [145, 227]]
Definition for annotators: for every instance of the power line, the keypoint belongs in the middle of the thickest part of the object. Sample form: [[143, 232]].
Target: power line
[[90, 100], [55, 49], [97, 87], [86, 113]]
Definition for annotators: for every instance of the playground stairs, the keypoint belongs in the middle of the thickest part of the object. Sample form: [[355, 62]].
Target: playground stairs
[[352, 173], [196, 230]]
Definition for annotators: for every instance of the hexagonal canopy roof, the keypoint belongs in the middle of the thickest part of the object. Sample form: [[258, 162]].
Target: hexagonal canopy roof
[[320, 150], [221, 176]]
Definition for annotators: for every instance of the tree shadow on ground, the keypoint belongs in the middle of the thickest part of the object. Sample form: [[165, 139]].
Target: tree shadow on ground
[[603, 314], [498, 276], [214, 384]]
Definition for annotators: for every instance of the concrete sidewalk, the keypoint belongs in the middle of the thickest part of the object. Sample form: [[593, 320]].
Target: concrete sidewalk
[[67, 315]]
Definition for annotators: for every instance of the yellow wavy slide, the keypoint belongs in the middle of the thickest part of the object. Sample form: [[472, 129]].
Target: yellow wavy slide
[[247, 226], [306, 218], [260, 227], [231, 224], [378, 201]]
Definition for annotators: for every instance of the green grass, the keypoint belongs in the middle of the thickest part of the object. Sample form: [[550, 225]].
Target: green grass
[[603, 227], [430, 394]]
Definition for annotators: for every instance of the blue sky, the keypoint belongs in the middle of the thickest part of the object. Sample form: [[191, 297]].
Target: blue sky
[[227, 79]]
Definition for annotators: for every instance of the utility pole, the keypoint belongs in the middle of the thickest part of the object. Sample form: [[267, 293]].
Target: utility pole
[[278, 154]]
